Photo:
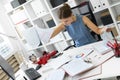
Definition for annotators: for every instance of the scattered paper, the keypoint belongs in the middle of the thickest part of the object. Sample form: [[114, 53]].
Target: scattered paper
[[44, 34], [32, 37]]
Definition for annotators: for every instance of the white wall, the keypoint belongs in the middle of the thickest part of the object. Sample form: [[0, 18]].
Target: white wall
[[6, 26]]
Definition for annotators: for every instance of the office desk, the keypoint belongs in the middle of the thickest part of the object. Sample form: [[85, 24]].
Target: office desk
[[109, 68]]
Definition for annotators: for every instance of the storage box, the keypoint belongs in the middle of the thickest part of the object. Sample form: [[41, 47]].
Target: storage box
[[106, 18], [16, 3]]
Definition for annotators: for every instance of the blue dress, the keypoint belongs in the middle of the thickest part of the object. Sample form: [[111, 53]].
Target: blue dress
[[79, 32]]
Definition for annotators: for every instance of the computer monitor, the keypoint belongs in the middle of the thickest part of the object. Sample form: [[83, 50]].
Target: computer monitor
[[7, 68]]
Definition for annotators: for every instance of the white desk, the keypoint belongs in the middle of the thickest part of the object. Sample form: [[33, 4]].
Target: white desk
[[109, 68]]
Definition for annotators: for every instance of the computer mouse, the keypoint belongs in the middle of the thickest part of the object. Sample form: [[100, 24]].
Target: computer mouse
[[38, 67]]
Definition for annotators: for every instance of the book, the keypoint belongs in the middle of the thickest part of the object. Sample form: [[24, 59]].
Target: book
[[77, 66]]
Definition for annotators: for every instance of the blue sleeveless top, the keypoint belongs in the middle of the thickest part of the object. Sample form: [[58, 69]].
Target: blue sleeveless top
[[79, 32]]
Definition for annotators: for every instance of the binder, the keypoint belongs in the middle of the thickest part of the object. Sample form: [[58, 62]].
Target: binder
[[104, 3], [39, 7], [96, 5]]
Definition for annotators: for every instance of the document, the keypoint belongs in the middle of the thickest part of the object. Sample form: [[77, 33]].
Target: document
[[93, 72], [31, 37], [58, 62], [102, 48], [44, 34], [77, 66]]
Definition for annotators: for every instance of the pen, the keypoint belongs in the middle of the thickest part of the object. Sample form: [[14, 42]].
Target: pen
[[89, 53]]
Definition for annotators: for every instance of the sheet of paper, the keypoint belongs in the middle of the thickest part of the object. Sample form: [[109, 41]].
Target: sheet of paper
[[76, 66], [102, 48], [44, 34], [92, 72], [32, 37], [58, 62], [78, 53], [56, 75]]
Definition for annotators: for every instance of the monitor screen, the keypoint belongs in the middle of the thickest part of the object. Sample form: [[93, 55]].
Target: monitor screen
[[7, 68]]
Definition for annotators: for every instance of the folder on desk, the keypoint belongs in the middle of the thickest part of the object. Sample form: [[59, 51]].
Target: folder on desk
[[77, 66]]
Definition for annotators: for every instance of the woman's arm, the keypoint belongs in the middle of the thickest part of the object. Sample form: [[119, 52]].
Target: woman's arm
[[57, 30], [92, 26]]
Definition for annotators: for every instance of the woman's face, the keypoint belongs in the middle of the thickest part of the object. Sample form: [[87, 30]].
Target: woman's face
[[67, 21]]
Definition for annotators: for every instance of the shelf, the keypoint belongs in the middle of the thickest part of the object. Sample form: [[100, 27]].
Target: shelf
[[19, 6], [68, 40], [34, 48], [53, 9], [53, 42], [115, 4], [118, 22], [112, 24], [40, 16], [99, 10]]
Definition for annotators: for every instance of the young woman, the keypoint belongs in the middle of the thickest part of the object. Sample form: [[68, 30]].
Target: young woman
[[77, 26]]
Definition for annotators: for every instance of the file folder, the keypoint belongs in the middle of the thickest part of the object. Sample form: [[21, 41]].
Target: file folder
[[96, 5]]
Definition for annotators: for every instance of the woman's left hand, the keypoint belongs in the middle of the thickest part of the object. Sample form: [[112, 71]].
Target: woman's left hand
[[106, 29]]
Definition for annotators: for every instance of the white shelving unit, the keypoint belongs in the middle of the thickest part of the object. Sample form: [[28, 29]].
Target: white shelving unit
[[113, 7], [35, 17], [29, 17]]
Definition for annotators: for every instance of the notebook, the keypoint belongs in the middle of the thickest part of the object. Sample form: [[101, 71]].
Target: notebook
[[76, 67]]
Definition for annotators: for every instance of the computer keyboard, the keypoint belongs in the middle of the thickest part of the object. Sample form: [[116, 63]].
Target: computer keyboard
[[32, 74]]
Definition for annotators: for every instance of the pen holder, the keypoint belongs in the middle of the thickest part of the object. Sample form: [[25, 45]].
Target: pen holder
[[117, 51]]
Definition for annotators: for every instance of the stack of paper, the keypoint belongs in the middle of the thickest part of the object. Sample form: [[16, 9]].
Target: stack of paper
[[77, 66]]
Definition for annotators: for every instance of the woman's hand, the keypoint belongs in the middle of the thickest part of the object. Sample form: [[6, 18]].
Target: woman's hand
[[106, 29]]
